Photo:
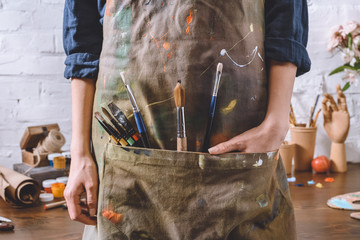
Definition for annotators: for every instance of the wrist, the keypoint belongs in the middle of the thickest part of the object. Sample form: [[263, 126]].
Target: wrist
[[277, 126], [80, 148]]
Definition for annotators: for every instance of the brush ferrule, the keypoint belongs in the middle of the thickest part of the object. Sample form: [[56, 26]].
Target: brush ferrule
[[180, 122], [217, 83], [132, 99]]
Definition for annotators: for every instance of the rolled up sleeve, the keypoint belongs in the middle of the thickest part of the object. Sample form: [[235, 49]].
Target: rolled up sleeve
[[82, 38], [286, 32]]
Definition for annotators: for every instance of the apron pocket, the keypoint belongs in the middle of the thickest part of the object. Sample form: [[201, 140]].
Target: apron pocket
[[163, 194]]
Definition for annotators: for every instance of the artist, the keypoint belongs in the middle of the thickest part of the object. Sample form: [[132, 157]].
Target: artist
[[262, 46]]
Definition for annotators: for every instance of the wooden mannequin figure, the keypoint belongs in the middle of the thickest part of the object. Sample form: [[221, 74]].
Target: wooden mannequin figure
[[336, 124]]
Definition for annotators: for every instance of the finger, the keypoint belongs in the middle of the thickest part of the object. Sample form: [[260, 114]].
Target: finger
[[326, 110], [233, 144], [74, 208], [332, 102], [91, 198], [341, 99]]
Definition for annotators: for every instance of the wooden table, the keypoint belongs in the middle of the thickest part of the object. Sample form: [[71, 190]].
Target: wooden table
[[314, 219], [34, 223]]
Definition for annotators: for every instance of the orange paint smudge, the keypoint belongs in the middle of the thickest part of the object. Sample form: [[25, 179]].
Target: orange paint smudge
[[211, 38], [329, 179], [109, 7], [189, 20], [166, 45], [112, 216], [169, 55]]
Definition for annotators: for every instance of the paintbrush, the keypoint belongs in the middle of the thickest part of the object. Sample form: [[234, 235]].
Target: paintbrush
[[110, 130], [212, 107], [138, 118], [313, 111], [292, 115], [179, 95], [316, 117], [119, 128], [120, 116]]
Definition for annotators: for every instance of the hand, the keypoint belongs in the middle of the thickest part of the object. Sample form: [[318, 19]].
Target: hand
[[83, 179], [336, 117], [264, 138]]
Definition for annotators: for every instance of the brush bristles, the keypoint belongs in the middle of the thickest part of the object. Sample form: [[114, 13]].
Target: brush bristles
[[219, 67], [99, 117], [107, 114], [179, 95], [122, 75]]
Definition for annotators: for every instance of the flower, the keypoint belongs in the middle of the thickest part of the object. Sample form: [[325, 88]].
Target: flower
[[351, 76], [350, 27], [346, 39], [336, 38]]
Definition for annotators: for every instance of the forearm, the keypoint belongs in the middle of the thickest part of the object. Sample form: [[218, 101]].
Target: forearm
[[82, 91], [281, 82]]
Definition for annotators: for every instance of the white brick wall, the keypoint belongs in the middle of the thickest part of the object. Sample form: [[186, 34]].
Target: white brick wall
[[33, 90], [324, 14]]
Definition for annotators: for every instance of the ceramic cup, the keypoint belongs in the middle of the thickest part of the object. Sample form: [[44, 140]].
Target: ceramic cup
[[304, 140]]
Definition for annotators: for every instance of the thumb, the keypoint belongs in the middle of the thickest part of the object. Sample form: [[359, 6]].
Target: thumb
[[91, 199], [228, 146]]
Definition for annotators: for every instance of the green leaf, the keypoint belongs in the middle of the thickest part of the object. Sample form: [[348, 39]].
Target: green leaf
[[345, 87], [341, 69]]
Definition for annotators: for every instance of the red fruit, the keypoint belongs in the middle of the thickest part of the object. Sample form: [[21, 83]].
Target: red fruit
[[320, 164]]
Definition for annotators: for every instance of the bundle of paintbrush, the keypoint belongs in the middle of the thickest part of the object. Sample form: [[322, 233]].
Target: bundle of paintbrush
[[311, 122], [119, 134]]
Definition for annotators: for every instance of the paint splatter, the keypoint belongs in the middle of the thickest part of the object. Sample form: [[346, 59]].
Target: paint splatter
[[223, 52], [112, 216], [110, 8], [230, 107], [251, 27], [319, 185], [329, 179], [261, 200], [341, 203], [189, 20], [299, 185], [166, 45], [292, 179], [148, 2], [311, 182], [258, 163]]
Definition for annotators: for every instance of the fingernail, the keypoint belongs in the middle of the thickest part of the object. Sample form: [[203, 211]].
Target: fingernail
[[212, 150], [92, 211]]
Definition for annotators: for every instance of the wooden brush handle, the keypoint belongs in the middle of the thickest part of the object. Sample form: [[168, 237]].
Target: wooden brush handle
[[182, 144]]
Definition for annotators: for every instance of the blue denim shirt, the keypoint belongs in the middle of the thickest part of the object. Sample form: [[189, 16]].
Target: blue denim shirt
[[286, 34]]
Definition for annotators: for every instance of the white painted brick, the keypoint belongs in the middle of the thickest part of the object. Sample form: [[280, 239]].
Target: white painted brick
[[46, 17], [18, 89], [57, 2], [27, 43], [11, 20], [21, 5]]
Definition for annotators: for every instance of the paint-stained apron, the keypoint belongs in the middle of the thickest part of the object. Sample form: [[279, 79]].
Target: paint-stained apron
[[164, 194]]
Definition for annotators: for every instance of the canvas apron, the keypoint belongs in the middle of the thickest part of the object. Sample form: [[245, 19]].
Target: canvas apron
[[164, 194]]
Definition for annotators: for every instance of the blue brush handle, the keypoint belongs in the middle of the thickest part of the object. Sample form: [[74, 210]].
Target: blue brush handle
[[142, 129], [209, 124]]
